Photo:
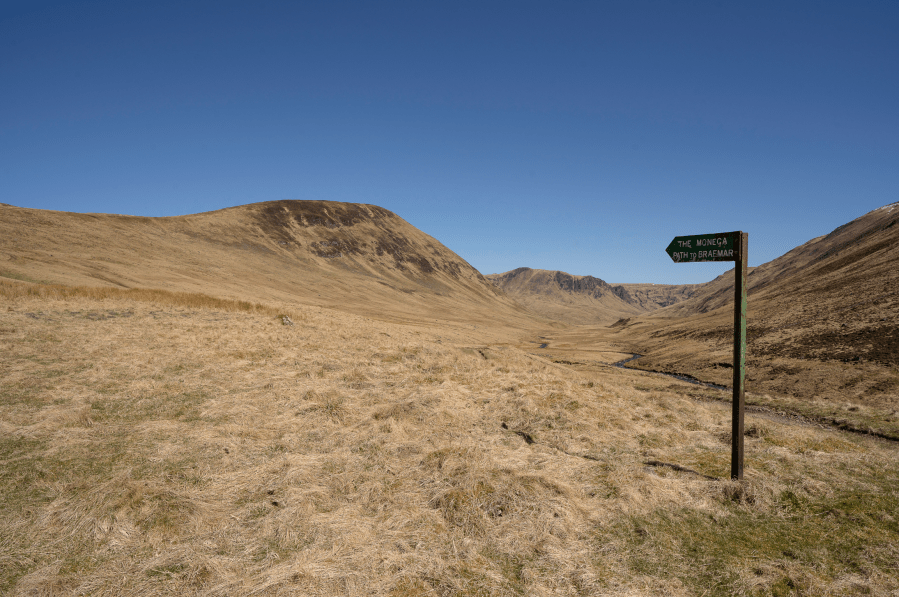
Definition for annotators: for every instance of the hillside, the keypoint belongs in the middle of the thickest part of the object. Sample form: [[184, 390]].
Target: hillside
[[656, 296], [863, 249], [564, 297], [169, 442], [584, 299], [823, 326], [359, 258]]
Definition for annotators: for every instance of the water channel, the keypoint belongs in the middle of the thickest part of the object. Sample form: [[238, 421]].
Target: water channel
[[687, 378]]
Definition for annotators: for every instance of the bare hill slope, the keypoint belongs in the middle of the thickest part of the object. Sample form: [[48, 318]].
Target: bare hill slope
[[360, 258]]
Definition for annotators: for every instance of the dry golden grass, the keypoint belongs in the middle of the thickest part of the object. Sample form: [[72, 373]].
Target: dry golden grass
[[857, 394], [823, 328], [358, 258], [158, 443], [14, 290]]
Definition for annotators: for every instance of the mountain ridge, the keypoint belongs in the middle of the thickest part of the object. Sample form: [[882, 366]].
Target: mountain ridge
[[586, 299], [362, 258]]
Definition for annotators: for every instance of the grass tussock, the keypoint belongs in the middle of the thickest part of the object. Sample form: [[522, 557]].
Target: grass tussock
[[155, 446]]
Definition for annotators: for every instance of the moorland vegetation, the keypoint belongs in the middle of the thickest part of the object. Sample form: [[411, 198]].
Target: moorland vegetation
[[186, 439]]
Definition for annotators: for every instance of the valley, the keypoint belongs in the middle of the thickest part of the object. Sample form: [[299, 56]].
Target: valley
[[822, 337], [319, 399]]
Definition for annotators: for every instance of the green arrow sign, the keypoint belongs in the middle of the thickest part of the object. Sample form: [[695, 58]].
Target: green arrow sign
[[704, 247]]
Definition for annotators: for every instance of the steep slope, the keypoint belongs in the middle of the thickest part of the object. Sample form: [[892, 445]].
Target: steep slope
[[656, 296], [849, 245], [360, 258], [564, 297], [823, 320]]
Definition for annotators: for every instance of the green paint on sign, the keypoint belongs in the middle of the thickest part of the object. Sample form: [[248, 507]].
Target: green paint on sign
[[704, 247]]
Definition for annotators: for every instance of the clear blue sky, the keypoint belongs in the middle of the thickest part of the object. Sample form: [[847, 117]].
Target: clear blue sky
[[579, 136]]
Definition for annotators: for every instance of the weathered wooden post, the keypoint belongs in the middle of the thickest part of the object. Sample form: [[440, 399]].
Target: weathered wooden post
[[725, 246]]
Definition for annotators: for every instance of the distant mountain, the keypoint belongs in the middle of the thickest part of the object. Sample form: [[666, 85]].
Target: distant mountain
[[656, 296], [583, 299], [355, 257]]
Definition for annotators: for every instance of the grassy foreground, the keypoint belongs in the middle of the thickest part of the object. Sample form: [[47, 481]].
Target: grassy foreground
[[170, 444]]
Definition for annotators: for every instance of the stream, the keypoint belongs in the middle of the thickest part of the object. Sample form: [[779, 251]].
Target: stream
[[765, 411], [686, 378], [768, 412]]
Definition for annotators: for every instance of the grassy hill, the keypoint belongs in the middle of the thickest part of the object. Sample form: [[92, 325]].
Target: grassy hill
[[180, 441], [354, 257], [823, 328]]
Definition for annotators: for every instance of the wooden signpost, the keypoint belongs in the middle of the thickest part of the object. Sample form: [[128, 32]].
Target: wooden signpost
[[725, 246]]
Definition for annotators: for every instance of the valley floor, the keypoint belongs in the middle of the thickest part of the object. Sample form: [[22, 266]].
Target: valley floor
[[859, 396], [166, 444]]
